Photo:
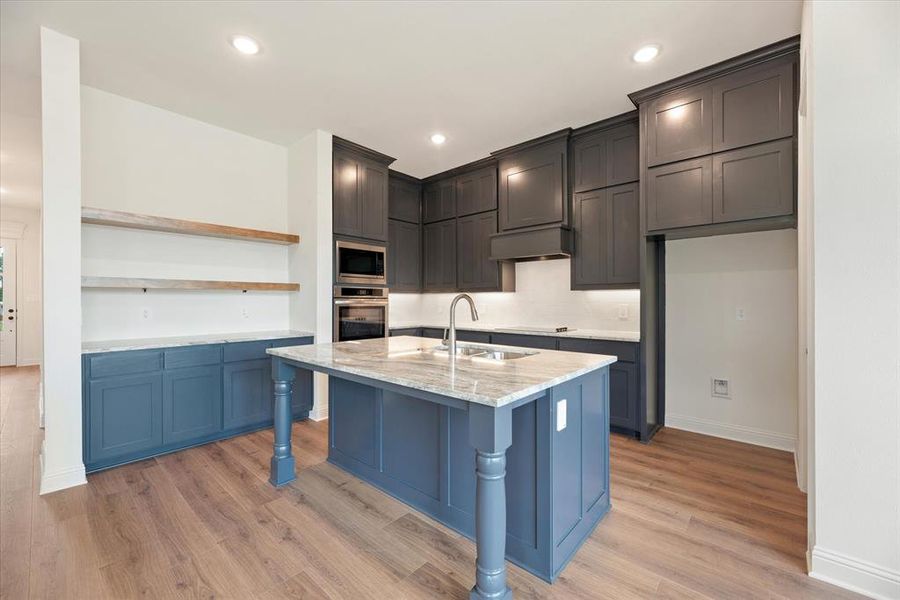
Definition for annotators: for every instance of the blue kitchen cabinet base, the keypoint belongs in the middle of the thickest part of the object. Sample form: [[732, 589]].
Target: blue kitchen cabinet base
[[556, 482], [143, 403]]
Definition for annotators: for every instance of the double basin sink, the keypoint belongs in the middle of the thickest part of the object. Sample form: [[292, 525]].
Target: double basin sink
[[464, 350]]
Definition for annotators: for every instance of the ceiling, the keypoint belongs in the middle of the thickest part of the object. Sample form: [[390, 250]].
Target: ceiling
[[384, 74]]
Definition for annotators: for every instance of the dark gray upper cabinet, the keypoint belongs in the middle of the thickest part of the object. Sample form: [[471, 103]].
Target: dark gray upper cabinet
[[533, 182], [475, 270], [604, 158], [754, 182], [360, 191], [374, 202], [439, 251], [404, 256], [476, 191], [679, 125], [754, 105], [679, 194], [404, 198], [439, 200], [607, 236]]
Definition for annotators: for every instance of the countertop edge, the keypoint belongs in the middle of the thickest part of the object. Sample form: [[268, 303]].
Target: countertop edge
[[102, 346]]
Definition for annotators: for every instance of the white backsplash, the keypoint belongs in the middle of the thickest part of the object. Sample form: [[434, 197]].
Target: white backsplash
[[542, 299]]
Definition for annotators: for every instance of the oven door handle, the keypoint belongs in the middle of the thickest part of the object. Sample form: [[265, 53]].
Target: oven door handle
[[362, 302]]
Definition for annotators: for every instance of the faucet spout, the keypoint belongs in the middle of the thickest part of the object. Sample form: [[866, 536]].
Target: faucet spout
[[451, 341]]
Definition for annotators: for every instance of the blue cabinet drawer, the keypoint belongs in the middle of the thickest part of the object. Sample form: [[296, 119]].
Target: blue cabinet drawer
[[125, 415], [625, 351], [192, 403], [298, 341], [246, 350], [196, 356], [123, 363]]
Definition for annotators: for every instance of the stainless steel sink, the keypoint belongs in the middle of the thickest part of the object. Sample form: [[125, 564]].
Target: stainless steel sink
[[504, 354], [461, 350]]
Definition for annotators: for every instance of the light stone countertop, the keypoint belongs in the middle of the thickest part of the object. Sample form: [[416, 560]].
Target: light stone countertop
[[187, 340], [585, 334], [397, 360]]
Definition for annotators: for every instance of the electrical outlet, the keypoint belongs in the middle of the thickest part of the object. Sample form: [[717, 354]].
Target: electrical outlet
[[561, 415], [145, 313], [245, 313], [720, 388], [623, 312], [740, 314]]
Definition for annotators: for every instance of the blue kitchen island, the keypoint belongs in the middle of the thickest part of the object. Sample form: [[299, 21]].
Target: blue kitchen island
[[509, 446]]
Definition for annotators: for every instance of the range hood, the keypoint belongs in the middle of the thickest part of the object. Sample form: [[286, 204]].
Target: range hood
[[539, 243]]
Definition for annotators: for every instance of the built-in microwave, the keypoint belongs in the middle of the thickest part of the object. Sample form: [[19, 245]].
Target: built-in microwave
[[358, 263]]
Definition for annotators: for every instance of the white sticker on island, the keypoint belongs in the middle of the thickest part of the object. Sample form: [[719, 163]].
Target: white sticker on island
[[561, 415]]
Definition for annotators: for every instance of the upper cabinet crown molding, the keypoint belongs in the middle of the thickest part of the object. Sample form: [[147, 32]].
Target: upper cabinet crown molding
[[374, 155], [775, 50], [562, 134], [481, 163], [625, 118]]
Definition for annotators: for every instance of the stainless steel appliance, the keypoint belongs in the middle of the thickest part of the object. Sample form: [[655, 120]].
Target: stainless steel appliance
[[357, 263], [360, 313]]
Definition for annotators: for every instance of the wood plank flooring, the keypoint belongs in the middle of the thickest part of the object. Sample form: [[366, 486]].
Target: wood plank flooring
[[692, 517]]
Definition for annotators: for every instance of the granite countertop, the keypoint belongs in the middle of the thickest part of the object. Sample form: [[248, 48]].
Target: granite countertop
[[586, 334], [397, 360], [187, 340]]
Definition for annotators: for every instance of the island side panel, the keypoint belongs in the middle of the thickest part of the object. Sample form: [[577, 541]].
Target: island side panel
[[580, 464]]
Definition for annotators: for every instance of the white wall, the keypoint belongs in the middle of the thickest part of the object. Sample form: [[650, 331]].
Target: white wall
[[853, 103], [542, 299], [28, 280], [143, 159], [707, 281], [61, 459], [310, 215]]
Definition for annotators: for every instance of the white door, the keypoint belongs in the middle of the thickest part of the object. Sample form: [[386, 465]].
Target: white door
[[8, 312]]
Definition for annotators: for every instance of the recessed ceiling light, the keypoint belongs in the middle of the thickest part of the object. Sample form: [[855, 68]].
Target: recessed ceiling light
[[438, 138], [244, 44], [646, 53]]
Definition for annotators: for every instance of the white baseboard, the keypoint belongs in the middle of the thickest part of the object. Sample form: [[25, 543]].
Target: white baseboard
[[738, 433], [28, 361], [855, 575], [62, 479], [319, 414]]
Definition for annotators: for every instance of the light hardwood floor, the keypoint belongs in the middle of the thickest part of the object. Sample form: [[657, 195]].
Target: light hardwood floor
[[692, 517]]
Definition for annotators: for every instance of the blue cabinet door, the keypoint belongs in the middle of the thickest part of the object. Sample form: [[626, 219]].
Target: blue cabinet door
[[125, 415], [192, 403], [248, 394]]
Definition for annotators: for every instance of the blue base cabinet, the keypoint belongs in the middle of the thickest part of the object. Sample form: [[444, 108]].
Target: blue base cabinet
[[142, 403]]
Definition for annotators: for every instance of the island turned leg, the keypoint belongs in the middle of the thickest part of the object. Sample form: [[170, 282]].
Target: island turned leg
[[490, 432], [282, 469]]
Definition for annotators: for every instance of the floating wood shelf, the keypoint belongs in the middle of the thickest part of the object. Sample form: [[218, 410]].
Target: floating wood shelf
[[115, 218], [185, 284]]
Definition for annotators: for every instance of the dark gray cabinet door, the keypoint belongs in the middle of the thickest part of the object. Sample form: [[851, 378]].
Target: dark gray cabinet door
[[623, 235], [546, 342], [754, 182], [475, 270], [439, 251], [679, 125], [607, 237], [192, 403], [404, 257], [476, 192], [753, 105], [532, 188], [590, 222], [374, 202], [126, 415], [679, 194], [346, 194], [248, 396], [605, 158], [623, 395], [439, 200], [404, 200]]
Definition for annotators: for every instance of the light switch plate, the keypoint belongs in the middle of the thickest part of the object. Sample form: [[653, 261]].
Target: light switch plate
[[720, 388], [561, 415]]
